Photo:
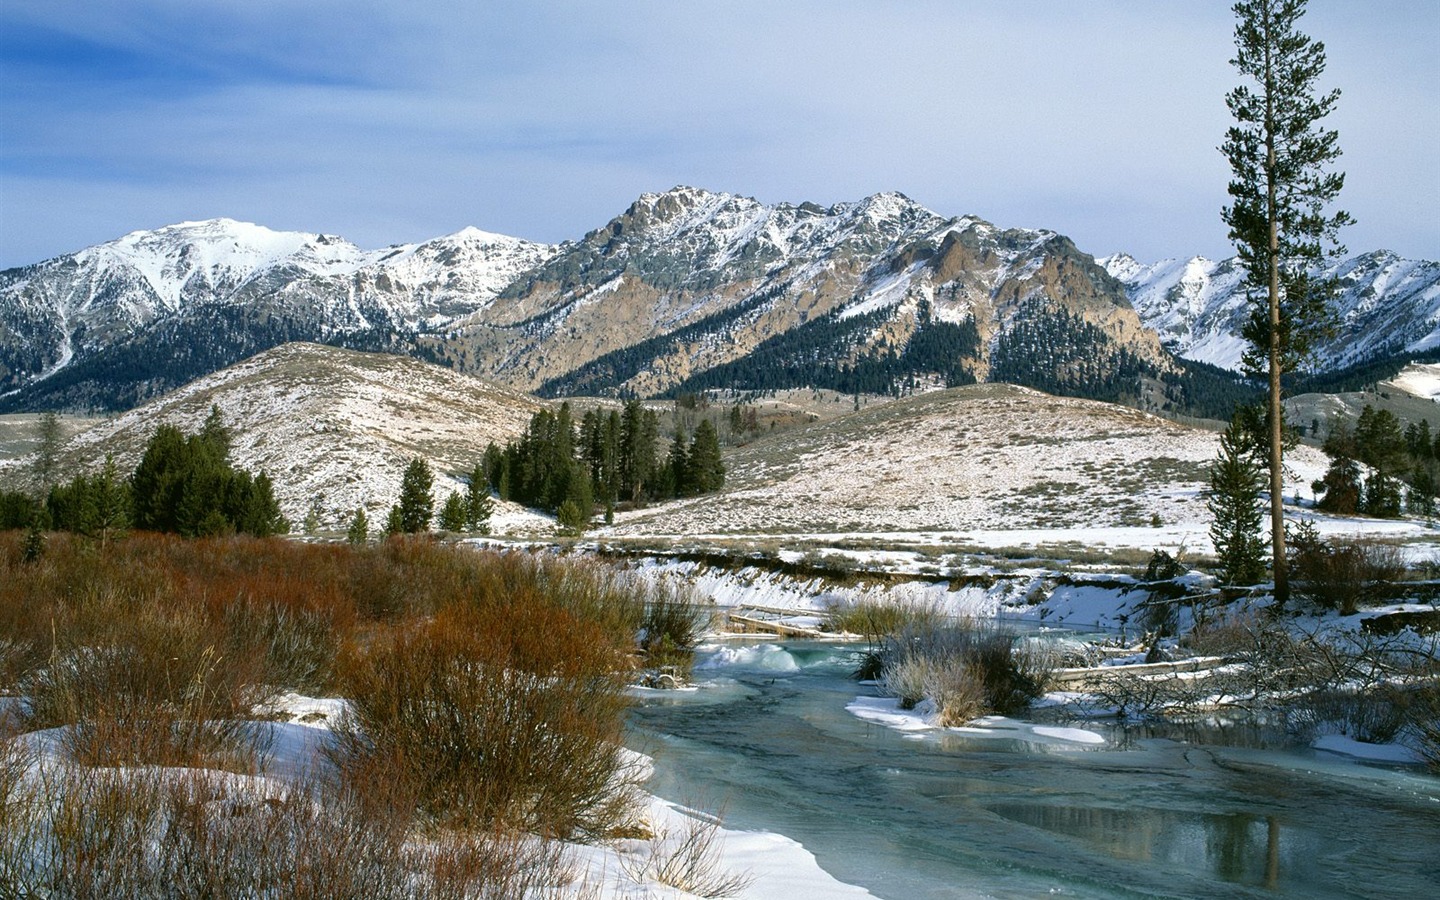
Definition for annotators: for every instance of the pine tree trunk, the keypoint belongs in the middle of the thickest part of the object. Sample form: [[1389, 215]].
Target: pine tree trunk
[[1277, 485]]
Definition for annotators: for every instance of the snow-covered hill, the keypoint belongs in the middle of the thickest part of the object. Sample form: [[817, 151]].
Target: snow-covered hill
[[1385, 305], [334, 428], [990, 465]]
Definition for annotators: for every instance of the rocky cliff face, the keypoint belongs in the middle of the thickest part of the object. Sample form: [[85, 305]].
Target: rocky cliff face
[[722, 276]]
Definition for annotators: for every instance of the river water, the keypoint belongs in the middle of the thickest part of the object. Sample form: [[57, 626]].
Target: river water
[[940, 814]]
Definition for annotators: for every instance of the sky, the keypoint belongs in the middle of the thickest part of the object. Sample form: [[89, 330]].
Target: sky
[[390, 122]]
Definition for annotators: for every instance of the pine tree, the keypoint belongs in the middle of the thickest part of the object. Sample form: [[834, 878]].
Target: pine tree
[[16, 509], [1340, 486], [579, 492], [359, 530], [109, 506], [34, 545], [478, 505], [216, 432], [1236, 510], [1279, 155], [706, 470], [569, 519], [416, 504], [639, 432], [47, 452], [677, 468], [454, 513], [262, 516]]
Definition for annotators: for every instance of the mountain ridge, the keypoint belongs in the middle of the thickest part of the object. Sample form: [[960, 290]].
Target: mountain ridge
[[1385, 304], [680, 289]]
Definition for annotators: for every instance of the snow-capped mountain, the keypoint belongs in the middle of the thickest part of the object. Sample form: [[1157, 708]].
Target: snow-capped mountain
[[691, 281], [683, 283], [1385, 305], [123, 321]]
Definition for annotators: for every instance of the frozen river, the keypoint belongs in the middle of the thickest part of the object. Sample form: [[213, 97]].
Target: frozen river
[[940, 814]]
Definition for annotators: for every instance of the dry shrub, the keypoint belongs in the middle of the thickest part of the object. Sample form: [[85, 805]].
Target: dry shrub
[[156, 691], [17, 801], [1425, 718], [1224, 635], [875, 618], [76, 597], [957, 688], [499, 866], [295, 647], [1152, 695], [961, 660], [905, 678], [1344, 573], [16, 659], [1373, 717], [689, 859], [671, 628], [145, 833], [489, 688], [493, 717]]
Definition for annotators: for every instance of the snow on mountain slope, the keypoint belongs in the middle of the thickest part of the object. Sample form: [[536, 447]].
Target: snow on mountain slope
[[218, 255], [734, 273], [451, 276], [1418, 380], [118, 324], [80, 305], [1384, 303], [334, 428]]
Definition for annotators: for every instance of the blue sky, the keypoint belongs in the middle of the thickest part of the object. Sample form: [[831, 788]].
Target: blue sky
[[390, 122]]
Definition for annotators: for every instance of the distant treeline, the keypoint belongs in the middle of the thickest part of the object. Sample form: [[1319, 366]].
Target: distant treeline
[[1401, 467], [609, 458], [184, 484]]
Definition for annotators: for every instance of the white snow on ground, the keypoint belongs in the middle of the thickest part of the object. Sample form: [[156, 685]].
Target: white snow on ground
[[886, 711], [1347, 746], [1419, 380], [757, 587], [300, 726], [777, 866]]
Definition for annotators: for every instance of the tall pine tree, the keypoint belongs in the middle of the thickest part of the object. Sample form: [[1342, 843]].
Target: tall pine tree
[[1281, 187]]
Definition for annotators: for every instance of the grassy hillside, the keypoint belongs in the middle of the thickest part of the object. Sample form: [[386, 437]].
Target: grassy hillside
[[334, 428], [980, 457]]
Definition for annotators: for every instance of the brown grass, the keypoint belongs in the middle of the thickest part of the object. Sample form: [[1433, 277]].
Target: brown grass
[[142, 833], [488, 699], [493, 716]]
